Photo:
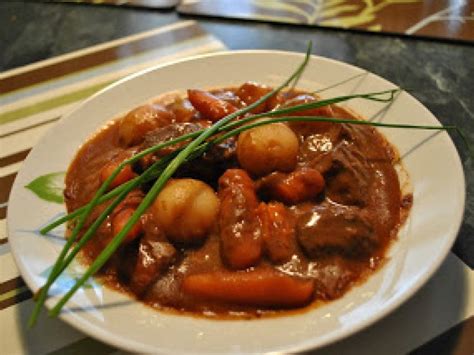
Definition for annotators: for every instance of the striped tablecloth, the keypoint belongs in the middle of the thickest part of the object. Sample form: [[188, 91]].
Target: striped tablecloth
[[152, 4], [34, 97]]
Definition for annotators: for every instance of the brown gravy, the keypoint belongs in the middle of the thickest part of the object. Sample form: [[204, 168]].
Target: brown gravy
[[340, 235]]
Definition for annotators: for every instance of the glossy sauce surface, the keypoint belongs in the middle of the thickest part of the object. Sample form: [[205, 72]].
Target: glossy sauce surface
[[315, 230]]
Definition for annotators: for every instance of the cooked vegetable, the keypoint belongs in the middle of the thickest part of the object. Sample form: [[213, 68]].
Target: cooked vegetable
[[209, 105], [278, 232], [310, 127], [186, 210], [142, 120], [126, 174], [240, 236], [262, 150], [256, 288], [120, 220], [301, 185], [243, 235], [251, 91]]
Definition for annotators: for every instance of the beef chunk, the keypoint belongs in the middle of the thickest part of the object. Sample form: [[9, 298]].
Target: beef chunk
[[167, 133], [348, 180], [316, 150], [153, 258], [332, 229], [207, 167], [183, 110], [230, 97], [212, 164], [143, 261], [250, 92]]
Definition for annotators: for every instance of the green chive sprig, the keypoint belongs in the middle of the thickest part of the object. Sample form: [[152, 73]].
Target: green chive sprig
[[164, 169], [374, 96], [149, 198]]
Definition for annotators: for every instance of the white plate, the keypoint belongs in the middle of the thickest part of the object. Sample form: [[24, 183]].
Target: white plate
[[430, 158]]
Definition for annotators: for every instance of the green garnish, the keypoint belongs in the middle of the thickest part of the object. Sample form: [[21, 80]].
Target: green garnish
[[369, 96], [164, 169]]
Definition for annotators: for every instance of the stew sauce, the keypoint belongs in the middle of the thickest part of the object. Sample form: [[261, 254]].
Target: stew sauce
[[271, 236]]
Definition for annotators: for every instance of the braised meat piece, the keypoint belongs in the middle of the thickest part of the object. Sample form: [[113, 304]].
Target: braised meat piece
[[212, 164], [183, 110], [229, 97], [316, 150], [165, 134], [145, 260], [318, 219], [330, 229], [348, 180], [251, 92], [138, 122], [207, 167], [153, 259]]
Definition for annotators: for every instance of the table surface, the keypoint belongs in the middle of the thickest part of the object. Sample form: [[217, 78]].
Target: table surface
[[439, 74]]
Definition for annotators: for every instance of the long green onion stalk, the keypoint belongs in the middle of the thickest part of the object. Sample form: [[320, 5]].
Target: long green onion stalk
[[162, 170], [374, 96], [165, 175], [159, 184]]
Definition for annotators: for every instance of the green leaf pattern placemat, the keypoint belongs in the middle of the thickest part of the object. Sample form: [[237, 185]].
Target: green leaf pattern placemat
[[438, 18]]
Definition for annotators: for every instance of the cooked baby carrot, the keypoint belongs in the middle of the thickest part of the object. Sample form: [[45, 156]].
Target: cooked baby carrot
[[123, 176], [240, 242], [121, 219], [209, 105], [278, 231], [250, 92], [265, 288], [299, 186]]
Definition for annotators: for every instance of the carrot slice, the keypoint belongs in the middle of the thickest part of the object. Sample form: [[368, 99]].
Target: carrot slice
[[250, 92], [299, 186], [254, 288], [209, 105], [123, 176], [121, 219]]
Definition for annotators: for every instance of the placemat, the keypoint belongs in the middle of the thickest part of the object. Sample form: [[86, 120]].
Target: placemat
[[34, 97], [438, 18], [153, 4]]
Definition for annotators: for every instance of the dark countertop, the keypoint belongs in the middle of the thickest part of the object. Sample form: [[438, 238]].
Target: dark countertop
[[439, 74]]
